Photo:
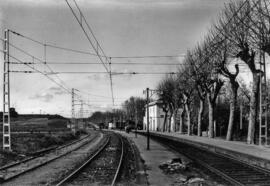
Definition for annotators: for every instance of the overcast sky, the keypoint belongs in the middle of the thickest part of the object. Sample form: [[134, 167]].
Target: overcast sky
[[123, 28]]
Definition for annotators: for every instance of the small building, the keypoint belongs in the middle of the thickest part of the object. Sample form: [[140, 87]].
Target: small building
[[112, 125], [157, 117]]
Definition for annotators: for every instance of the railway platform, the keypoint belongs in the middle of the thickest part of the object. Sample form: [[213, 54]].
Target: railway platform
[[254, 155], [153, 158]]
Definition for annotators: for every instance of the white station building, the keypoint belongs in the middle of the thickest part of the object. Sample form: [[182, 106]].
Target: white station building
[[156, 117]]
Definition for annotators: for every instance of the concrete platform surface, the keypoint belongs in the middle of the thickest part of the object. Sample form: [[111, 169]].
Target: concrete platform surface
[[153, 158], [252, 154]]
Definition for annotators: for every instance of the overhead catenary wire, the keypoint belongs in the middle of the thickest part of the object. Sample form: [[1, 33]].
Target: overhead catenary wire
[[38, 71], [98, 47], [101, 96], [35, 58], [147, 56], [48, 44], [79, 20], [115, 63], [90, 72], [135, 56], [54, 46]]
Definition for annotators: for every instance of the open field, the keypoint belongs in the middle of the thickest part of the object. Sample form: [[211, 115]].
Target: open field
[[38, 124], [26, 144], [30, 134]]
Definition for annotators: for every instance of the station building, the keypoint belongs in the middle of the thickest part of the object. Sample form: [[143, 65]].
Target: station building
[[157, 117]]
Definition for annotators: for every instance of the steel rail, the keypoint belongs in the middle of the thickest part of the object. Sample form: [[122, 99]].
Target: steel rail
[[120, 161], [210, 164], [3, 179], [212, 169], [75, 172], [41, 153]]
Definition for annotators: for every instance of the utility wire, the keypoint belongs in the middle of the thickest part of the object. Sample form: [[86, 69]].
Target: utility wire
[[35, 58], [79, 20], [124, 63], [98, 47], [93, 54], [84, 92], [153, 56], [91, 72], [38, 71], [53, 46]]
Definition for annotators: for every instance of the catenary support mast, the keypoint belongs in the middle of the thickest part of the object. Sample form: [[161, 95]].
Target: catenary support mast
[[6, 96], [73, 128]]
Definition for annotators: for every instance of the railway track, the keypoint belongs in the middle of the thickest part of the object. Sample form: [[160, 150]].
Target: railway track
[[103, 167], [17, 169], [233, 171]]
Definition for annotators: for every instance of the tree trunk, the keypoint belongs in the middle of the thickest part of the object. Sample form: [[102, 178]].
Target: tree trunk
[[200, 114], [210, 117], [252, 110], [164, 122], [233, 103], [181, 121], [169, 125], [174, 120], [188, 119]]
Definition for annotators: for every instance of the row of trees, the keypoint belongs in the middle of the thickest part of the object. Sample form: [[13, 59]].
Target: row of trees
[[241, 35], [132, 110]]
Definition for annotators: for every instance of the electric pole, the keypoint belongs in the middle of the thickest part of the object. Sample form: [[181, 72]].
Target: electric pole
[[72, 112], [147, 118], [263, 94], [6, 96], [136, 119]]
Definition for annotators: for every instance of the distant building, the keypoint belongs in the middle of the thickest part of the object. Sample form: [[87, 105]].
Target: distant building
[[157, 117], [112, 125]]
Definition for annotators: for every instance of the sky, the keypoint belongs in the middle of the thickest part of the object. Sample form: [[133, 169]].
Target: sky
[[122, 27]]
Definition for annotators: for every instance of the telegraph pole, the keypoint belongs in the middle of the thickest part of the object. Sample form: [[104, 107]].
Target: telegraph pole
[[6, 96], [72, 112], [136, 119], [81, 110], [263, 103], [148, 135]]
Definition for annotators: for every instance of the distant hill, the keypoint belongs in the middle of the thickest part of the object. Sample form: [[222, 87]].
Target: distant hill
[[55, 116]]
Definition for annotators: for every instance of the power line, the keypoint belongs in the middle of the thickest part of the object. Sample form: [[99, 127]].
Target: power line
[[124, 63], [146, 56], [84, 92], [98, 48], [92, 72], [80, 21], [93, 54], [35, 58], [53, 46], [36, 70]]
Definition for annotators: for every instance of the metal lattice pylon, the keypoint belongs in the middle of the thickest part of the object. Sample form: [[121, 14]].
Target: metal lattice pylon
[[73, 128], [263, 132], [6, 96], [263, 103]]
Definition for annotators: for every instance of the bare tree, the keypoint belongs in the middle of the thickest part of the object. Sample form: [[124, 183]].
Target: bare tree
[[170, 98], [199, 75], [212, 82], [238, 33], [234, 88], [186, 87]]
